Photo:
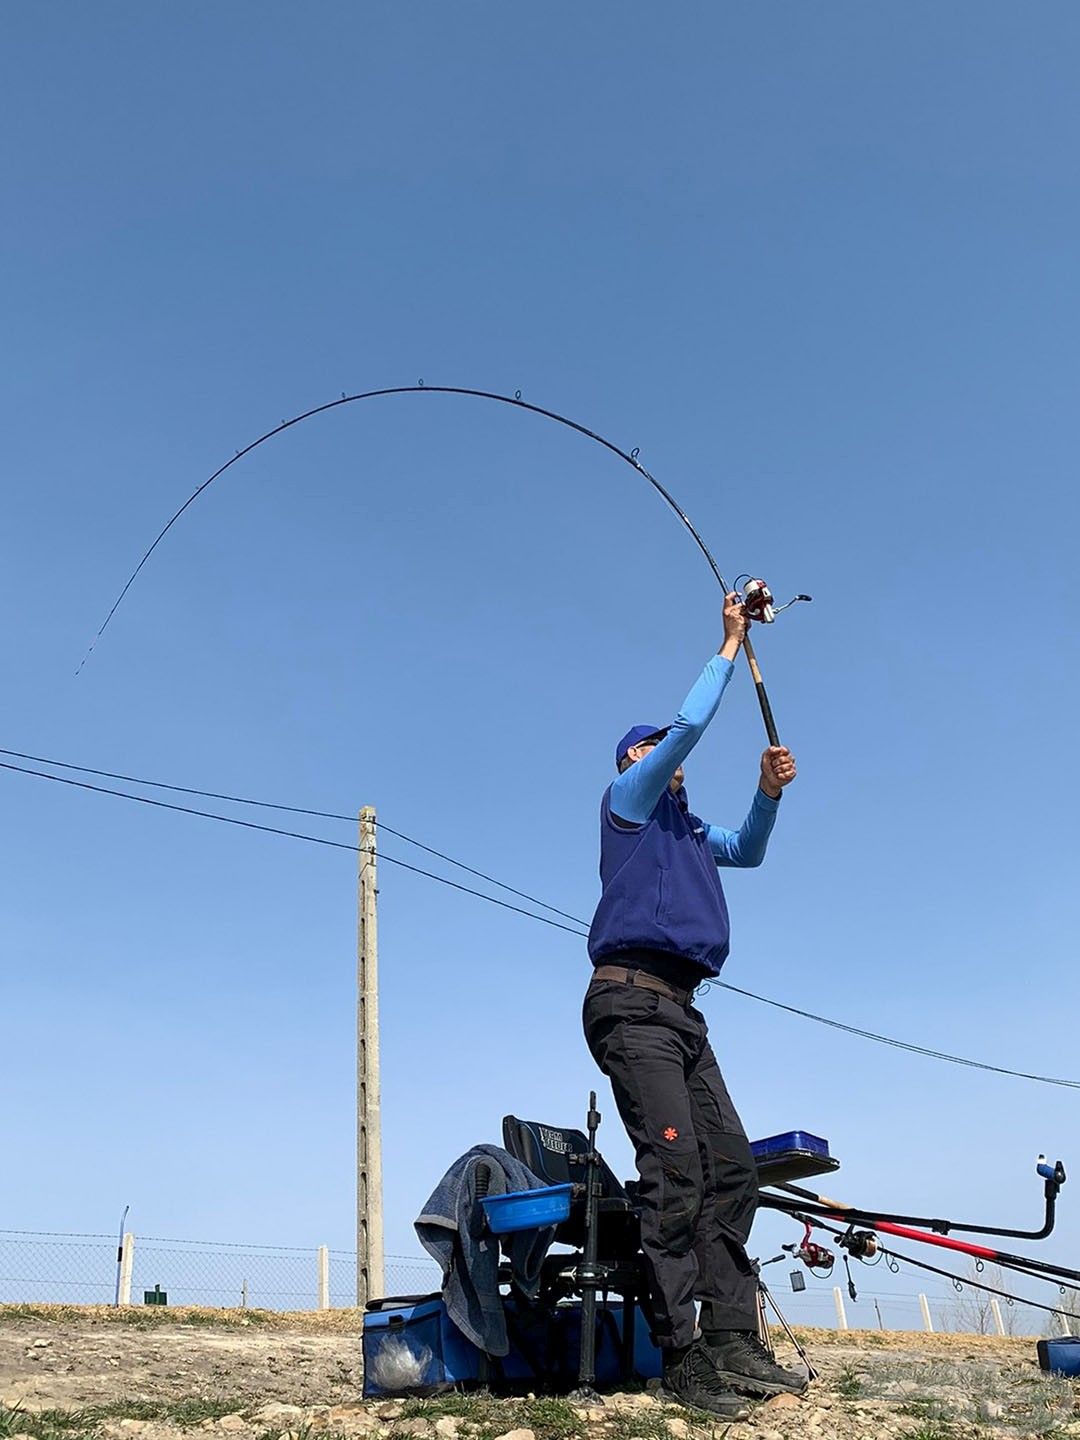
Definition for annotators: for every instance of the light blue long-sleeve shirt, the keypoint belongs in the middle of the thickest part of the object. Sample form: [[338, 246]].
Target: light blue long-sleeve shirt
[[634, 794]]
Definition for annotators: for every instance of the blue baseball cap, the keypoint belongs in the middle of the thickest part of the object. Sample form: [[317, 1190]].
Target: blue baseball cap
[[635, 736]]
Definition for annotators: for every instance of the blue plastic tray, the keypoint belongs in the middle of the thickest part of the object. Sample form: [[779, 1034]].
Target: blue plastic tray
[[790, 1140], [527, 1209]]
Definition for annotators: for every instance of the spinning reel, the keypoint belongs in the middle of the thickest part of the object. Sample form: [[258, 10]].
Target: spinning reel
[[860, 1243], [817, 1258], [757, 600]]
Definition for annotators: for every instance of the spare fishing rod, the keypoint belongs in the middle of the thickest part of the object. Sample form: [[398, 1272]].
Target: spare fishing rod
[[864, 1242], [958, 1281], [757, 599], [1053, 1177]]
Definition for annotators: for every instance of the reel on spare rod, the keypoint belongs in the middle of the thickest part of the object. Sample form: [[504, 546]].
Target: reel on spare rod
[[816, 1258]]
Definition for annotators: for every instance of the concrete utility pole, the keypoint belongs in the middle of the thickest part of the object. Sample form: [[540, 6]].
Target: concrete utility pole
[[370, 1280]]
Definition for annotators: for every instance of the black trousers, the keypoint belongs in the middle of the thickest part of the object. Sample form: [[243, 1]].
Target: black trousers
[[698, 1189]]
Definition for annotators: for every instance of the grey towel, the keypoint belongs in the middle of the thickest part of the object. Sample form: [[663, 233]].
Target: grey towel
[[451, 1228]]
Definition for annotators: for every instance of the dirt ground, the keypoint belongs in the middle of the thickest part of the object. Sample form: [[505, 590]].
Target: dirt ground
[[68, 1373], [90, 1357]]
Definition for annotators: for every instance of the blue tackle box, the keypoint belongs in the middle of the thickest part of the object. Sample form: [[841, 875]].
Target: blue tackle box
[[1060, 1357], [648, 1361], [799, 1140], [794, 1155], [527, 1209], [410, 1347]]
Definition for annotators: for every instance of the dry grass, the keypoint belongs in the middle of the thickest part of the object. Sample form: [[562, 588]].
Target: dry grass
[[312, 1322]]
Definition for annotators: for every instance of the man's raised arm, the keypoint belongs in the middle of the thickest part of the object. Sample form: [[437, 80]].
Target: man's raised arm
[[635, 792], [745, 848]]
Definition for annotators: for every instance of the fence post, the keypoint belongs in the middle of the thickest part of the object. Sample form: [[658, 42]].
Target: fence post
[[841, 1316], [924, 1304], [127, 1262], [995, 1310], [324, 1278]]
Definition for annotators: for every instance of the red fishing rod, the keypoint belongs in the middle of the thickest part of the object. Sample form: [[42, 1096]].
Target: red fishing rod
[[894, 1259], [863, 1243], [807, 1207]]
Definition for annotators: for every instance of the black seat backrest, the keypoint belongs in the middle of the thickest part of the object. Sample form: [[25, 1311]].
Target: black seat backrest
[[556, 1155]]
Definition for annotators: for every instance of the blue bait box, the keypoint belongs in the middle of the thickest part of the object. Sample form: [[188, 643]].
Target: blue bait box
[[788, 1141], [1060, 1357], [527, 1209], [411, 1347], [648, 1361]]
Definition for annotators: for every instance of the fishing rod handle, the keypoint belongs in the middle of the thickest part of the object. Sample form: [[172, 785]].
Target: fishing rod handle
[[759, 686]]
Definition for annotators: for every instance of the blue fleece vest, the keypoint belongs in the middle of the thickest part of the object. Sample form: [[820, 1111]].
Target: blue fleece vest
[[661, 889]]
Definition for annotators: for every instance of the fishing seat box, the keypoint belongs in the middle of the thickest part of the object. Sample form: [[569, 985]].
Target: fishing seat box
[[1060, 1357], [411, 1347]]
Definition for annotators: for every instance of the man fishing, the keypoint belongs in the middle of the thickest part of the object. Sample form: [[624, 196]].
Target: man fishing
[[660, 929]]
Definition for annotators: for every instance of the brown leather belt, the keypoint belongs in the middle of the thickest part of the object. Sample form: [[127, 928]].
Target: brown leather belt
[[644, 981]]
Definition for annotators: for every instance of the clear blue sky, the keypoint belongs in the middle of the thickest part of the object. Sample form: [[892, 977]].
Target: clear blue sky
[[819, 263]]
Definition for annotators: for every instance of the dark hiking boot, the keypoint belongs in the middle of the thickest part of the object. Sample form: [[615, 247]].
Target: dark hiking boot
[[743, 1363], [691, 1379]]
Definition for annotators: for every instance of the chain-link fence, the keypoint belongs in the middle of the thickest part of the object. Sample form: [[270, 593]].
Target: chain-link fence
[[963, 1312], [50, 1269], [404, 1275], [43, 1268], [204, 1273]]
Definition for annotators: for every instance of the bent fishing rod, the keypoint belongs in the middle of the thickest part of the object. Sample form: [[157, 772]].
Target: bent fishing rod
[[757, 599]]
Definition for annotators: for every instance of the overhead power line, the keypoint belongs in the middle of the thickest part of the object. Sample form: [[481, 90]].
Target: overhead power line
[[289, 834], [571, 929], [290, 810], [897, 1044]]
